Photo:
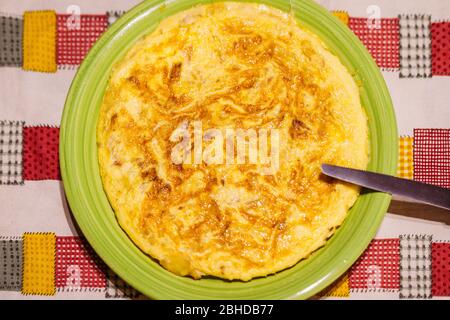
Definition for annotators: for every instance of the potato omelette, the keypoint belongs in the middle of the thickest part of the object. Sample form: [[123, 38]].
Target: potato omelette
[[230, 65]]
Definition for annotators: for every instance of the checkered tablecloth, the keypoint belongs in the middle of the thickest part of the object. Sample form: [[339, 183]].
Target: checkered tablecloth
[[42, 253]]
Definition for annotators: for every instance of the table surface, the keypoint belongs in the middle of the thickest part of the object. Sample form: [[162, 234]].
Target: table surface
[[39, 205]]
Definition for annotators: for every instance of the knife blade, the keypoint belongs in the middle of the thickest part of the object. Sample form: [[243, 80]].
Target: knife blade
[[418, 191]]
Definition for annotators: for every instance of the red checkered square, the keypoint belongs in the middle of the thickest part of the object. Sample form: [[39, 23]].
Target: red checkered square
[[77, 265], [440, 266], [382, 39], [76, 35], [378, 267], [432, 156], [440, 48], [40, 153]]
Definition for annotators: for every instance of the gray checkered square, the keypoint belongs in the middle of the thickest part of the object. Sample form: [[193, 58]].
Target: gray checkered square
[[11, 29], [113, 16], [415, 266], [10, 264], [11, 147], [415, 46], [116, 288]]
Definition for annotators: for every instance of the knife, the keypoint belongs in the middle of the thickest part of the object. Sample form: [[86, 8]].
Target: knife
[[418, 191]]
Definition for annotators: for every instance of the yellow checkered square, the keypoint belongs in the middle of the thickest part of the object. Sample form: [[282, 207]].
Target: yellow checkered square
[[39, 263], [39, 41], [405, 160], [341, 15], [340, 288]]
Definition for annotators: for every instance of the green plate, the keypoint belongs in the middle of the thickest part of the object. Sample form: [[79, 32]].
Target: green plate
[[90, 206]]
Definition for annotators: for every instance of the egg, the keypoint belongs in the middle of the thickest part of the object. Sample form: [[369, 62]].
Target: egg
[[222, 68]]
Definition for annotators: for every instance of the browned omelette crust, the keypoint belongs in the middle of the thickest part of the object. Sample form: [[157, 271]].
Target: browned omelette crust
[[230, 65]]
